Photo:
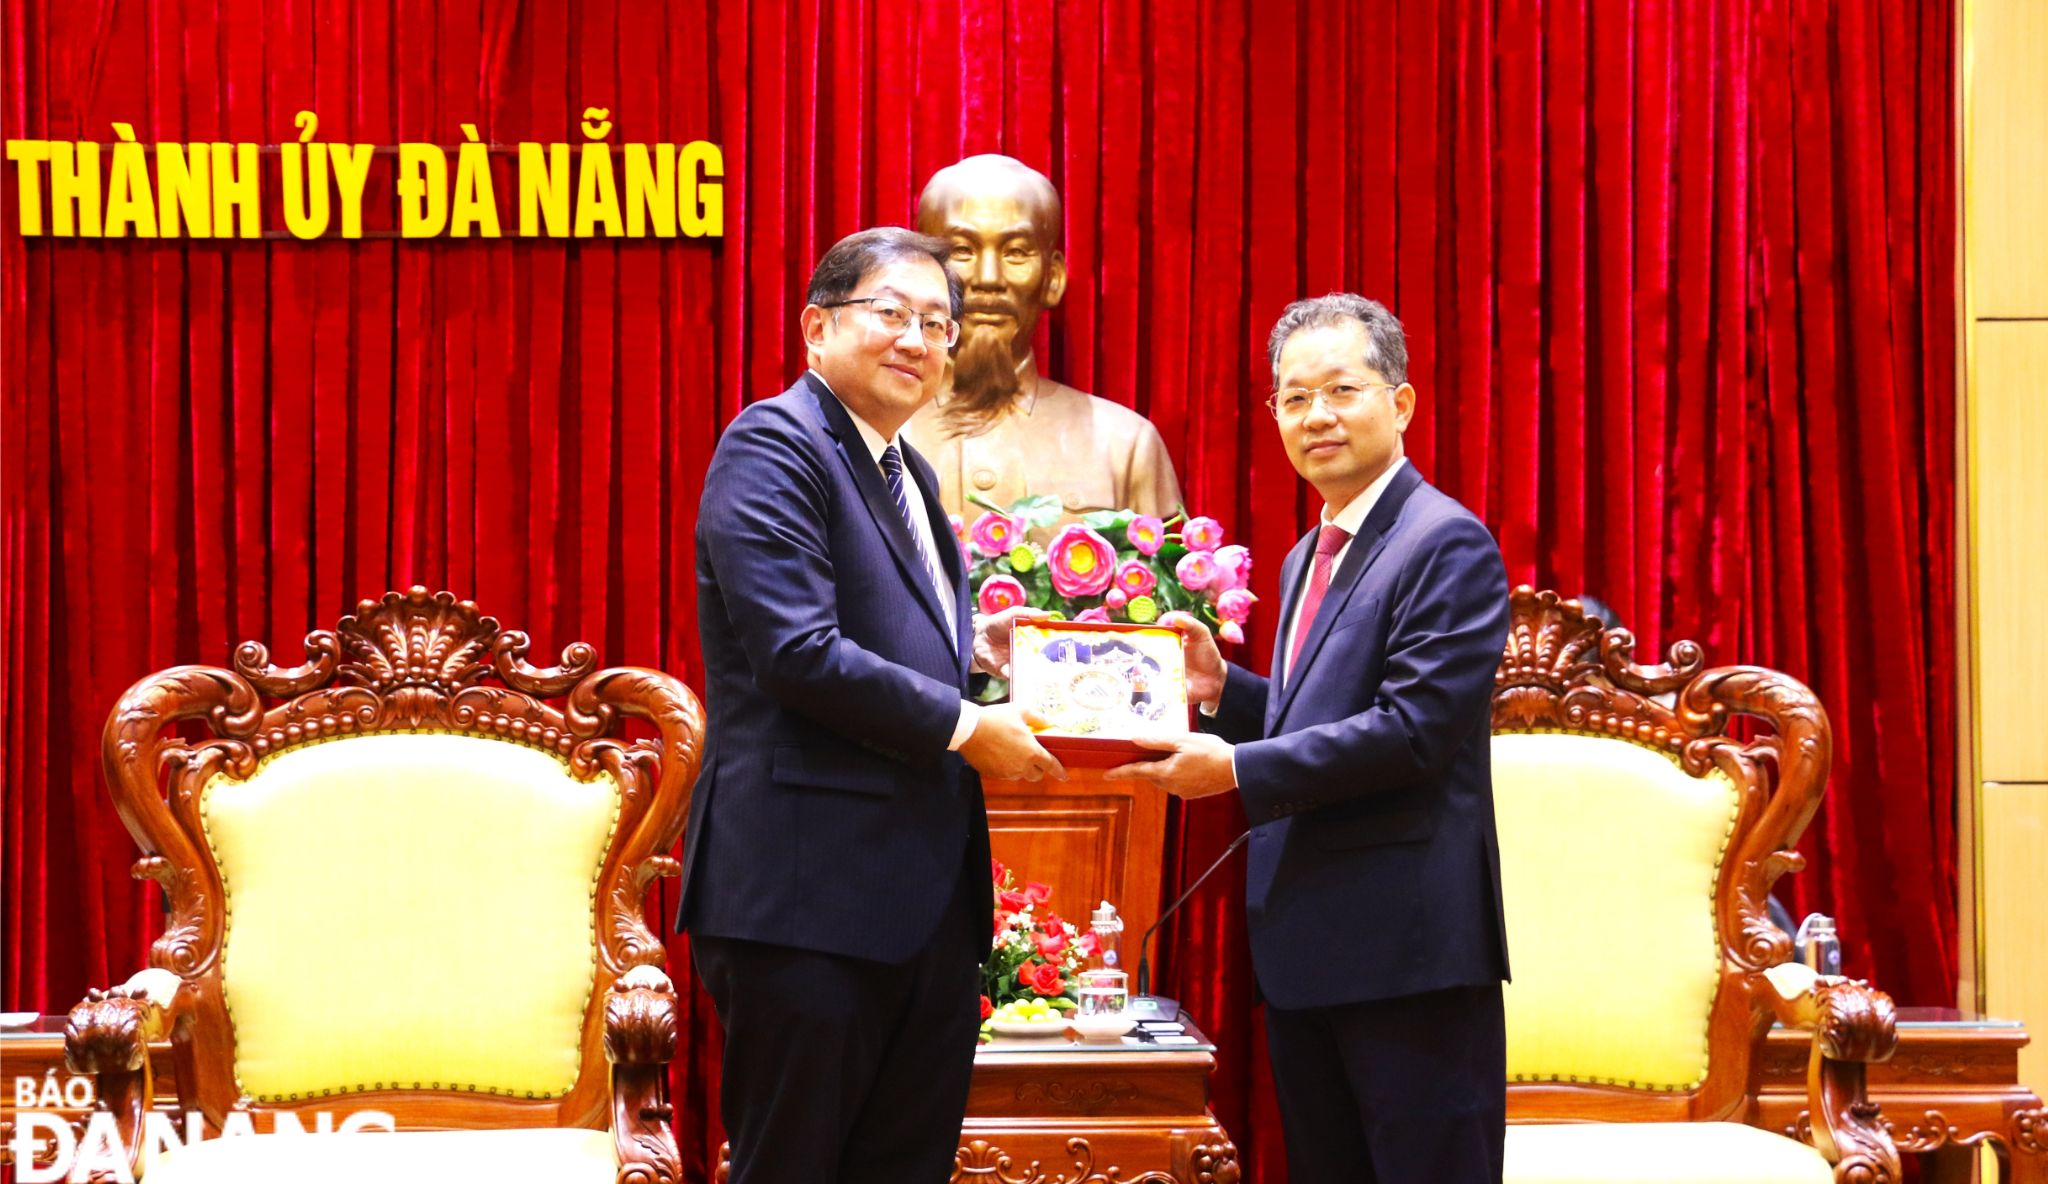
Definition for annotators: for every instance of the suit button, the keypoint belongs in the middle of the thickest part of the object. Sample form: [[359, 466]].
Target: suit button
[[984, 479]]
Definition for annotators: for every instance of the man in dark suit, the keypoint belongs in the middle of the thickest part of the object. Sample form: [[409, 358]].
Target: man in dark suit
[[1373, 889], [837, 888]]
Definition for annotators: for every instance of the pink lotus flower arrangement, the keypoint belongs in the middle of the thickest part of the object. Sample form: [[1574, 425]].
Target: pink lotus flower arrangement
[[1112, 565]]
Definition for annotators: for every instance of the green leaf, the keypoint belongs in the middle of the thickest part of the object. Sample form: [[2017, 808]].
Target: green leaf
[[1108, 520], [985, 504], [1039, 510]]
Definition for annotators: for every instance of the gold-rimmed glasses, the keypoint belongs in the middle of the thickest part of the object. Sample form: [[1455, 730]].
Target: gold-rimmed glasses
[[893, 317], [1293, 402]]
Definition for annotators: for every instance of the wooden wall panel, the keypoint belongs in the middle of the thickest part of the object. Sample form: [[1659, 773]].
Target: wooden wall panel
[[2012, 544], [2016, 915], [2006, 65], [2004, 487]]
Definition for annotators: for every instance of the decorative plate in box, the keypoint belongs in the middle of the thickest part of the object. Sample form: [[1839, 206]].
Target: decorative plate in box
[[1098, 684]]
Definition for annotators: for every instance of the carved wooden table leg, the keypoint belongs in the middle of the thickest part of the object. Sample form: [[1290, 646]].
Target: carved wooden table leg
[[2027, 1146]]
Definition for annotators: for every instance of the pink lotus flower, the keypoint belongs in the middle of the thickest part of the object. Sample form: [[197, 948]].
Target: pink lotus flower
[[1146, 533], [1235, 604], [1115, 598], [1136, 579], [1234, 567], [959, 528], [995, 533], [1196, 570], [1231, 632], [1098, 615], [999, 593], [1082, 561], [1202, 534]]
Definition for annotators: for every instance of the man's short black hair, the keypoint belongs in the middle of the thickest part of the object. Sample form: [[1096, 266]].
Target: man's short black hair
[[854, 257]]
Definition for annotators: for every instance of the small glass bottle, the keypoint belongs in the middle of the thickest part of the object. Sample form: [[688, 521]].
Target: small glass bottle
[[1819, 947], [1108, 929]]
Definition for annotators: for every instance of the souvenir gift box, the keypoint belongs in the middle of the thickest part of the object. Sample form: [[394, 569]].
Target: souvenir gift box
[[1097, 685]]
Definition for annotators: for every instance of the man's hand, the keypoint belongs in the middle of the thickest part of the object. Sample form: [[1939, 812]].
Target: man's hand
[[1198, 767], [992, 637], [1004, 747], [1205, 661]]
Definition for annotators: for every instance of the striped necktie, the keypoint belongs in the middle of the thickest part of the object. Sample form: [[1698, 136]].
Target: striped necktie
[[892, 468]]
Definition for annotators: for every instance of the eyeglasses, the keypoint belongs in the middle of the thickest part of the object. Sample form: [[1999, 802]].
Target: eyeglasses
[[938, 329], [1293, 402]]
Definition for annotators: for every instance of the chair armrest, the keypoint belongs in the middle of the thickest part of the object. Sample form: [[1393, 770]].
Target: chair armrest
[[639, 1041], [1852, 1025], [108, 1036]]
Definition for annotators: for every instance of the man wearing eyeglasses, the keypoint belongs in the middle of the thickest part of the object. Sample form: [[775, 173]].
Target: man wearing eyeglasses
[[837, 855], [1373, 886]]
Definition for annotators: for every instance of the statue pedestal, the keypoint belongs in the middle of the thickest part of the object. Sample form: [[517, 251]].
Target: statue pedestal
[[1090, 839]]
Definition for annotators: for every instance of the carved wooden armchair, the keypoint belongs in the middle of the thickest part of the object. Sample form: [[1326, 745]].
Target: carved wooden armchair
[[1638, 844], [400, 889]]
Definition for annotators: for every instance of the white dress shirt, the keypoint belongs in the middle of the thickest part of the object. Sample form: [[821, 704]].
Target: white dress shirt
[[920, 524], [1350, 518]]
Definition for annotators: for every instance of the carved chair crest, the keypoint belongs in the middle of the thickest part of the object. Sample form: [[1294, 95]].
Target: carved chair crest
[[407, 662]]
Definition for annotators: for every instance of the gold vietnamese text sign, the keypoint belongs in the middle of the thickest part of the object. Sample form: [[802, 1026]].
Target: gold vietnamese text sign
[[222, 190]]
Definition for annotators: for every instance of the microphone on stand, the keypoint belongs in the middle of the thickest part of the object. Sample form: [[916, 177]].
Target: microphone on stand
[[1144, 1005]]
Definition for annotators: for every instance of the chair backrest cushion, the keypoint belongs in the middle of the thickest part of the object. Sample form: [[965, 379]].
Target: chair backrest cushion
[[409, 910], [1610, 853]]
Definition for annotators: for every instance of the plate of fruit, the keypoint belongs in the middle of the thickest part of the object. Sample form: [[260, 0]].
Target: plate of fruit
[[1027, 1017]]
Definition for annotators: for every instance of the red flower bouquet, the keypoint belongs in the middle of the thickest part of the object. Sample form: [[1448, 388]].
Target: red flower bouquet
[[1035, 955]]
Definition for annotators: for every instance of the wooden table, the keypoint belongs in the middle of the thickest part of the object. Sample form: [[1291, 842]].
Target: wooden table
[[1056, 1111], [1952, 1086]]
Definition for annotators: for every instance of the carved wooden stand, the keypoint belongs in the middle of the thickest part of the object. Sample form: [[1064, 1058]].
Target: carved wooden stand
[[1082, 1116]]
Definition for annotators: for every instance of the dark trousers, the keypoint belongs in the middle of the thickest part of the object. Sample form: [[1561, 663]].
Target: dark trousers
[[838, 1069], [1393, 1091]]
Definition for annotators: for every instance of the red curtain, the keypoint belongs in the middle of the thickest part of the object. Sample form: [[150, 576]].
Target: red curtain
[[1677, 279]]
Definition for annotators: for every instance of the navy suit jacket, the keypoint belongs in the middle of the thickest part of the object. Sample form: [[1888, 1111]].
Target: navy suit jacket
[[1374, 869], [829, 815]]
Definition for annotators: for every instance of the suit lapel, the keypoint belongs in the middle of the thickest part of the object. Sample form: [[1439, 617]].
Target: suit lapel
[[867, 477], [1371, 540]]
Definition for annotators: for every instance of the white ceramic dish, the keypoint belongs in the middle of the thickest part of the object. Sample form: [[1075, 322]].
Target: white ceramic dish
[[1021, 1028], [1103, 1027]]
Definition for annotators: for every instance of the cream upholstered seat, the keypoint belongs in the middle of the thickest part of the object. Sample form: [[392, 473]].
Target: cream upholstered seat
[[1669, 1152], [401, 890], [1639, 841]]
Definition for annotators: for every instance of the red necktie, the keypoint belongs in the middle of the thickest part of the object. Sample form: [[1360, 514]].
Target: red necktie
[[1329, 541]]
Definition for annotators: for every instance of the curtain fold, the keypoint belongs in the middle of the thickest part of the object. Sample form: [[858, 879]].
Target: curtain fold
[[1677, 280]]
